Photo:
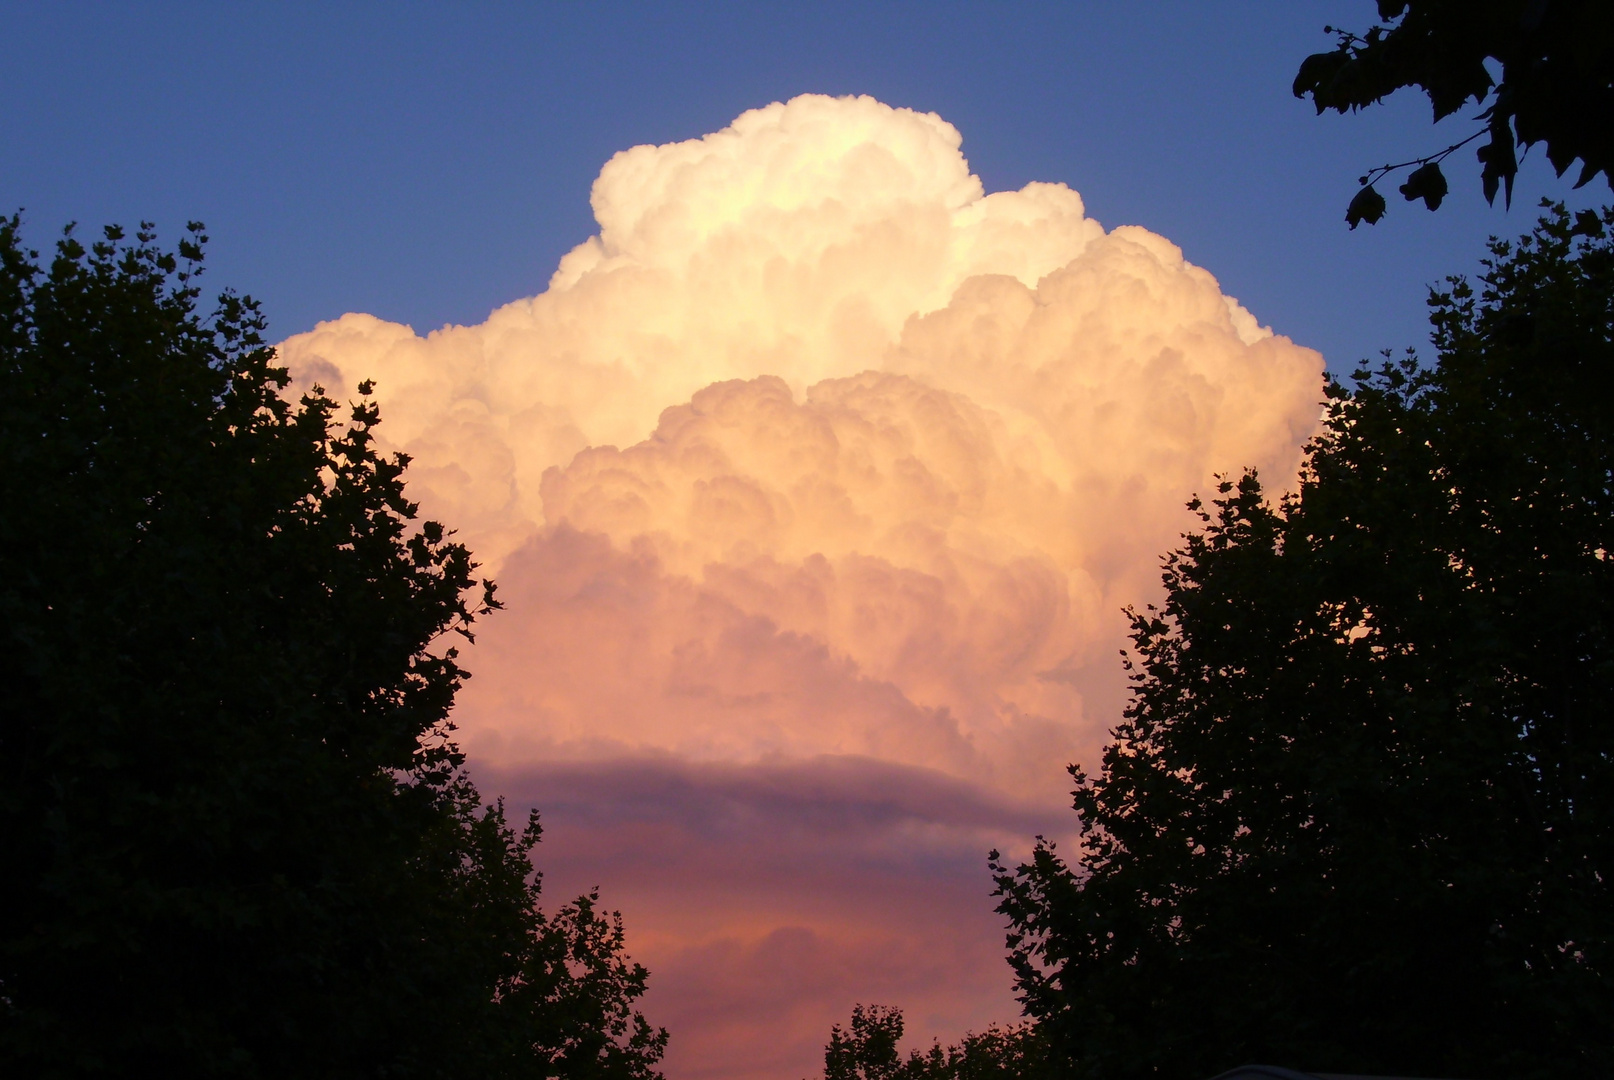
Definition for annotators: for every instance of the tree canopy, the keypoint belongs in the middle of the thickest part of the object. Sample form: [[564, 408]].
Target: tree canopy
[[238, 837], [867, 1050], [1556, 86], [1359, 814]]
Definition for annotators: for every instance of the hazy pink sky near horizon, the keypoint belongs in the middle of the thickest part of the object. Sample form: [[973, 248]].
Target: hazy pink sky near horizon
[[815, 485]]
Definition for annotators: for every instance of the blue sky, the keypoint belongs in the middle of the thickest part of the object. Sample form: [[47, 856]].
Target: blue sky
[[427, 163]]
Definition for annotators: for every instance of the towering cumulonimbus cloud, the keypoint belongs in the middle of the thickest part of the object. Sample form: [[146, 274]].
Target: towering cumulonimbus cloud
[[817, 453]]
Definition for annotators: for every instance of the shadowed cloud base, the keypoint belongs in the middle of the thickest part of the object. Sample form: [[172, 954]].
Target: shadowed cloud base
[[768, 898]]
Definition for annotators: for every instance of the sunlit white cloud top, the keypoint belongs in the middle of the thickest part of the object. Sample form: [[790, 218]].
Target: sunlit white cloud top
[[817, 448]]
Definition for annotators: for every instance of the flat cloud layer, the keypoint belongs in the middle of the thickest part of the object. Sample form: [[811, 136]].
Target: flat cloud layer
[[818, 451]]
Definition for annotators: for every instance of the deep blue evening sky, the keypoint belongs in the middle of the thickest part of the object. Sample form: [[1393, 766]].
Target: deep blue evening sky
[[427, 163]]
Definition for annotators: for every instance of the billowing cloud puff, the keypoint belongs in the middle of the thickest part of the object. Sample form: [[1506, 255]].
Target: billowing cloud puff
[[819, 453], [917, 445], [794, 243]]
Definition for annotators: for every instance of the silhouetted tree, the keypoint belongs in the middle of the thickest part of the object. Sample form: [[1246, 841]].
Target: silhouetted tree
[[868, 1051], [235, 834], [1357, 817], [1556, 61]]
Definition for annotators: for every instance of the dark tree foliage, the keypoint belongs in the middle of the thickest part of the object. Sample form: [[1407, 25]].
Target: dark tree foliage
[[868, 1051], [236, 838], [1556, 59], [1359, 815]]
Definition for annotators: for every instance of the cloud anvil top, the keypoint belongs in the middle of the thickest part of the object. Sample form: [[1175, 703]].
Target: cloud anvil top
[[818, 452]]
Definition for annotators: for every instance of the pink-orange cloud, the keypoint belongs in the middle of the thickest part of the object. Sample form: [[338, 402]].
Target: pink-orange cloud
[[818, 452]]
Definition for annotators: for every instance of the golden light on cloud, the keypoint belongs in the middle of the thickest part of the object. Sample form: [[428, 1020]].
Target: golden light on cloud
[[818, 451]]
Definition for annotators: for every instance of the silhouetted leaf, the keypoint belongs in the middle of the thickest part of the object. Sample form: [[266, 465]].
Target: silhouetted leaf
[[1368, 206], [1317, 72], [1587, 223], [1500, 163], [1426, 183]]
